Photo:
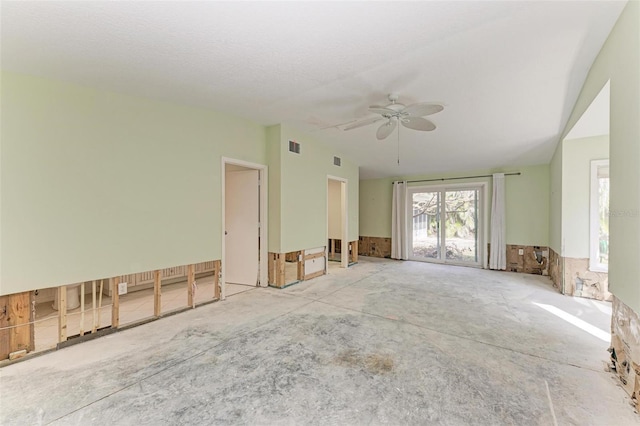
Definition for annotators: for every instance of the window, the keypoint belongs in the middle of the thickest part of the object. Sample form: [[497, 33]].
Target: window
[[599, 237]]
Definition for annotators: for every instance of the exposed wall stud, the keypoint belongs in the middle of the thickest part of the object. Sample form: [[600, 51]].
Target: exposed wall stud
[[82, 309], [157, 293], [62, 313], [115, 307]]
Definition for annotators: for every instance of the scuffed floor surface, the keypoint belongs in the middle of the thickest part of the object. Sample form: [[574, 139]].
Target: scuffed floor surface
[[382, 343]]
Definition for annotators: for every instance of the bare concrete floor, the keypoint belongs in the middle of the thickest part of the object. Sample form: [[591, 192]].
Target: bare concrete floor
[[383, 342]]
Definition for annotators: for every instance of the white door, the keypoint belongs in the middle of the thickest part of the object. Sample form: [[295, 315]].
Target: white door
[[241, 222]]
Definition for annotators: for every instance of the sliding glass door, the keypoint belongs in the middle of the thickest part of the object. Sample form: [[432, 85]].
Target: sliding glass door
[[445, 224]]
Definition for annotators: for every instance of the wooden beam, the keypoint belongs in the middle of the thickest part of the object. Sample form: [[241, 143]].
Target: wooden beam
[[271, 268], [115, 299], [191, 283], [216, 278], [313, 256], [82, 309], [354, 251], [333, 248], [314, 275], [157, 293], [300, 264], [280, 269], [62, 313], [100, 300], [94, 307]]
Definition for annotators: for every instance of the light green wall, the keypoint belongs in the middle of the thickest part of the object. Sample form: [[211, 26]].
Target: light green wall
[[97, 184], [273, 157], [303, 191], [526, 196], [527, 206], [555, 201], [375, 207], [619, 61], [576, 183]]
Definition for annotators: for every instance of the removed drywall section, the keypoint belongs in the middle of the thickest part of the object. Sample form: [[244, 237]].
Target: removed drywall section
[[97, 183], [580, 281], [625, 347], [375, 247], [528, 259], [555, 269], [17, 313]]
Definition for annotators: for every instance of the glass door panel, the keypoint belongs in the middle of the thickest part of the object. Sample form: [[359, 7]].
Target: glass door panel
[[460, 226], [426, 225]]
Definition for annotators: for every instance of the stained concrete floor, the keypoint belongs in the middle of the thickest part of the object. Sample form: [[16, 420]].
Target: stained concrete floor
[[383, 342]]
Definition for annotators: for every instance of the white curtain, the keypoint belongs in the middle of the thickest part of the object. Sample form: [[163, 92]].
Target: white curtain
[[399, 249], [498, 252]]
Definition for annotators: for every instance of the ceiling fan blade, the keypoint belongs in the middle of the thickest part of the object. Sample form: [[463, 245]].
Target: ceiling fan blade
[[421, 109], [381, 110], [386, 129], [363, 123], [418, 123]]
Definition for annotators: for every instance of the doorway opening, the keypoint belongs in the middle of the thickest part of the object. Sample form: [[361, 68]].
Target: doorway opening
[[338, 243], [244, 226], [445, 224]]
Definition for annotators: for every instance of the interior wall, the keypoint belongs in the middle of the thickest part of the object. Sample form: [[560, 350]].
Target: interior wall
[[303, 192], [526, 197], [576, 191], [335, 210], [555, 201], [275, 182], [98, 184], [619, 61]]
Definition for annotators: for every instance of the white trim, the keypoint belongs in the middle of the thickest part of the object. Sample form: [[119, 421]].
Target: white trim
[[594, 220], [344, 248], [481, 220], [263, 172]]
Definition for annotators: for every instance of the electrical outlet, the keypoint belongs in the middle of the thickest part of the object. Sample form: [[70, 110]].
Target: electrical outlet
[[520, 252], [122, 289]]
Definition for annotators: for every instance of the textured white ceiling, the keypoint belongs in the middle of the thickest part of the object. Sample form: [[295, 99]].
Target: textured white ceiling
[[508, 72]]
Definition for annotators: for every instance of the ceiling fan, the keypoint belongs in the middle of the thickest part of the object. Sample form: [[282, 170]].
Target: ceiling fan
[[411, 116]]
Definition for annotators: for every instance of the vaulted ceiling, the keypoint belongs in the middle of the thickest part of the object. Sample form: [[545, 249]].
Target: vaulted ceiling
[[508, 73]]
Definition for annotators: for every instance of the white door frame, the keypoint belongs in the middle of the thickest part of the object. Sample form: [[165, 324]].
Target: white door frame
[[263, 191], [481, 220], [344, 244]]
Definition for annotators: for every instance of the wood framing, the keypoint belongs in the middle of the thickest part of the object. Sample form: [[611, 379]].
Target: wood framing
[[16, 324], [115, 300], [94, 316], [300, 270], [311, 256], [353, 246], [82, 309], [277, 269], [217, 270], [191, 284], [157, 293], [62, 313]]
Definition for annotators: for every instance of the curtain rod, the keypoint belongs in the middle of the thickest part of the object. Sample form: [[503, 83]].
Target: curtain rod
[[461, 177]]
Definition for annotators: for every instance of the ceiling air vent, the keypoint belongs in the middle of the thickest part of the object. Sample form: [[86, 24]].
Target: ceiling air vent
[[294, 147], [337, 161]]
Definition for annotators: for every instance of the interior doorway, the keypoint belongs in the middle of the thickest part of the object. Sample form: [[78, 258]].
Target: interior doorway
[[338, 243], [244, 226]]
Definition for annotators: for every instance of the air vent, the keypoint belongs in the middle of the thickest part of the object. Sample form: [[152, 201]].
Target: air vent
[[294, 147], [337, 161]]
